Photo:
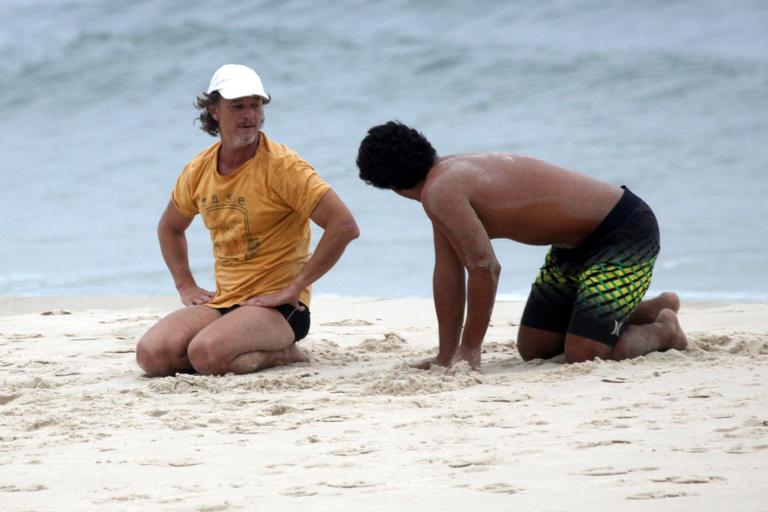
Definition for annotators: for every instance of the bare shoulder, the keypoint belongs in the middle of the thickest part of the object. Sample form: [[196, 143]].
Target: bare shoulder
[[449, 181]]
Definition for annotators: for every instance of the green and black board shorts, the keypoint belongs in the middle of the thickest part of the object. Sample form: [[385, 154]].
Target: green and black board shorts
[[592, 289]]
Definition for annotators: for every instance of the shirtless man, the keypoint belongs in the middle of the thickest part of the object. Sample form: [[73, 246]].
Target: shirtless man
[[586, 300]]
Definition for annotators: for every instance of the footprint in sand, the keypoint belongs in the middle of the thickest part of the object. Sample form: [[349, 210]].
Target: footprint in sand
[[471, 462], [41, 423], [616, 380], [349, 484], [220, 507], [280, 409], [4, 399], [504, 399], [738, 450], [179, 463], [607, 442], [22, 337], [129, 497], [143, 318], [353, 451], [501, 488], [392, 342], [23, 488], [611, 471], [348, 322], [299, 492], [659, 495], [691, 479]]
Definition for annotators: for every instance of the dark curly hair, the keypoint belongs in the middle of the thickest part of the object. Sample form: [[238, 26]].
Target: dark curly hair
[[203, 103], [394, 156]]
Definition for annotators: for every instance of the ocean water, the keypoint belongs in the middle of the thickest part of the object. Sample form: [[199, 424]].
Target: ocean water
[[668, 97]]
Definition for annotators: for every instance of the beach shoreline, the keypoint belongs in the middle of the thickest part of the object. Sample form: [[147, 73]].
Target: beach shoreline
[[81, 427]]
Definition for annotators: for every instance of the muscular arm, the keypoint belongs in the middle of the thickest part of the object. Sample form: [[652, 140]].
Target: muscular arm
[[339, 229], [453, 215], [449, 292], [173, 245]]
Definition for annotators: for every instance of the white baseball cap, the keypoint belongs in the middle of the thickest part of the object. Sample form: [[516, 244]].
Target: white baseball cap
[[235, 81]]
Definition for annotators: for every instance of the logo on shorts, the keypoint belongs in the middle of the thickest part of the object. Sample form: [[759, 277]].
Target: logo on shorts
[[616, 327]]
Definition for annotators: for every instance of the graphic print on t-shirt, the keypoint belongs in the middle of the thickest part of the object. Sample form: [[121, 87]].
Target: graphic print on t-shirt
[[230, 232]]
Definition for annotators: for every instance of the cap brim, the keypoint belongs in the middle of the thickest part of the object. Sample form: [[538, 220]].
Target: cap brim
[[232, 93]]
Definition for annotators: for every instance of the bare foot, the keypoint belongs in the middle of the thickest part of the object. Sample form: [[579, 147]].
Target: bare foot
[[293, 354], [674, 335], [428, 363], [648, 310], [470, 355], [669, 300]]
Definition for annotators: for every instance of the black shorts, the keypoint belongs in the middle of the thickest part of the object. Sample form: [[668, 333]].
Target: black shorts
[[592, 289], [298, 320]]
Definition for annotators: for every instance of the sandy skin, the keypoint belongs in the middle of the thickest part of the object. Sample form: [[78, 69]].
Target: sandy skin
[[472, 199]]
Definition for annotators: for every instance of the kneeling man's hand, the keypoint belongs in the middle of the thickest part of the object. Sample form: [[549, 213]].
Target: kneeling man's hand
[[288, 295], [195, 296]]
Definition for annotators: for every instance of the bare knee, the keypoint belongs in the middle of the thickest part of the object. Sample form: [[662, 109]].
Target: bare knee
[[528, 349], [538, 344], [205, 358], [154, 358], [579, 355], [580, 350]]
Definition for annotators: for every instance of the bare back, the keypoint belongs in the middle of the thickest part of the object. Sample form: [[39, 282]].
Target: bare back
[[522, 198]]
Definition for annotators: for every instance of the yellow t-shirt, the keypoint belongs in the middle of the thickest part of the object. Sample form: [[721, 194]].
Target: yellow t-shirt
[[258, 218]]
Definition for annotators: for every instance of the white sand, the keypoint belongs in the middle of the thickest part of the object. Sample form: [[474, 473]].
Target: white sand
[[357, 429]]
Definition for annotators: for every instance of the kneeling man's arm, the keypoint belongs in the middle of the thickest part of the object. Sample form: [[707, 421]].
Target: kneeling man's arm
[[173, 244], [449, 292], [454, 217], [339, 229]]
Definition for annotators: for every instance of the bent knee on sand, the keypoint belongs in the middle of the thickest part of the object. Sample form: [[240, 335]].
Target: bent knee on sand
[[157, 360], [635, 341], [579, 350], [162, 350], [206, 357], [535, 343], [574, 352]]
